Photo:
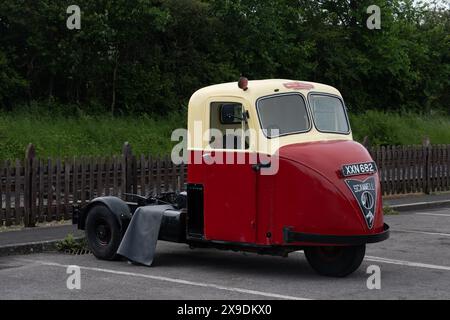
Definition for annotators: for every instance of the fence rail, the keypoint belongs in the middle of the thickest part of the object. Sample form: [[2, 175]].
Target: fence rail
[[413, 169], [38, 190]]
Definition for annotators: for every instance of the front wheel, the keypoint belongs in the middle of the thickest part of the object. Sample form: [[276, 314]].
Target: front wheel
[[103, 233], [335, 261]]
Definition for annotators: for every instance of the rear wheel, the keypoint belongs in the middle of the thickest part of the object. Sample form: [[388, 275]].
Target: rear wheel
[[103, 233], [335, 261]]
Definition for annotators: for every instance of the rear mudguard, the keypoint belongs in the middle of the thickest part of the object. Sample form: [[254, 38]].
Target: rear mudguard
[[117, 206]]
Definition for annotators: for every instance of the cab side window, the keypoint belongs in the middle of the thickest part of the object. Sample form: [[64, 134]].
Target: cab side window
[[227, 126]]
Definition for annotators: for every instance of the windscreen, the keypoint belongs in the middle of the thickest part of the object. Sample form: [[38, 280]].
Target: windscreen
[[282, 115], [329, 114]]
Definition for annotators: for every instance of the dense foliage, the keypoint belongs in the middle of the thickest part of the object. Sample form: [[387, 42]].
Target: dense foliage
[[135, 56]]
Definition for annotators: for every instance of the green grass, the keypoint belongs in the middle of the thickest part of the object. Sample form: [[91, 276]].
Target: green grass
[[400, 129], [85, 135], [388, 211], [57, 134]]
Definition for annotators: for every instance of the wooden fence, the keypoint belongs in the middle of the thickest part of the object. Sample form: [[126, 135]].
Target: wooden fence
[[37, 190], [413, 169]]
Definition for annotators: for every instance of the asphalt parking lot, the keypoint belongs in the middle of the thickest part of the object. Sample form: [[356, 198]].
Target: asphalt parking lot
[[414, 264]]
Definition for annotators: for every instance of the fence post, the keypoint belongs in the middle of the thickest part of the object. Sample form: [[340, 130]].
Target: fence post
[[29, 196], [427, 145], [127, 167], [366, 143]]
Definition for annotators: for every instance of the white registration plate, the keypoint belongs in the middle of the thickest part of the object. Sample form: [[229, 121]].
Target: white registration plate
[[359, 168]]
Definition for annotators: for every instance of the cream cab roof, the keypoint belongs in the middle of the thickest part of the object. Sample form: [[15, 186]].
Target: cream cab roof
[[257, 89], [198, 109]]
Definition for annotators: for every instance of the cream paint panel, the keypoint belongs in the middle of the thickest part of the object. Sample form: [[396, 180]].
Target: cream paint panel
[[199, 111], [196, 118], [246, 105]]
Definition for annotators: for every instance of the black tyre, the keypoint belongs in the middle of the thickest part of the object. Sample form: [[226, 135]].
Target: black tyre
[[103, 233], [338, 261]]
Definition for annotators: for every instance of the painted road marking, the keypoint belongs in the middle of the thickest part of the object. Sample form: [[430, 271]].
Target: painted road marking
[[173, 280], [433, 214], [401, 262], [406, 263], [419, 204], [423, 232]]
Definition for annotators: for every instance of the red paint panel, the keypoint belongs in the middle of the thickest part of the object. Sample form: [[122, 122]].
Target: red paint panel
[[308, 194], [298, 85], [312, 197], [229, 197], [266, 207]]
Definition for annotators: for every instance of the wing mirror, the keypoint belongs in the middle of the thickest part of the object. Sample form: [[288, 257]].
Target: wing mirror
[[232, 113]]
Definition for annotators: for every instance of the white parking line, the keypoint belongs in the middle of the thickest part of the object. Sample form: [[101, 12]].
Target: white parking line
[[401, 262], [433, 214], [406, 263], [422, 232], [173, 280]]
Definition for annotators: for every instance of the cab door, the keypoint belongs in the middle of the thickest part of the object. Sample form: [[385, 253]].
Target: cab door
[[229, 179]]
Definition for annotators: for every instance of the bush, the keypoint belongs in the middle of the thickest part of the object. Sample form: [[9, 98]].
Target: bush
[[69, 243], [134, 56]]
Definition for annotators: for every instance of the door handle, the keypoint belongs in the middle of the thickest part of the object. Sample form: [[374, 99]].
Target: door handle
[[258, 166], [206, 156]]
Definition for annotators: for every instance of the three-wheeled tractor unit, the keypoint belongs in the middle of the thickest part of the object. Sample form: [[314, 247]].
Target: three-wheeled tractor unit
[[302, 183]]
